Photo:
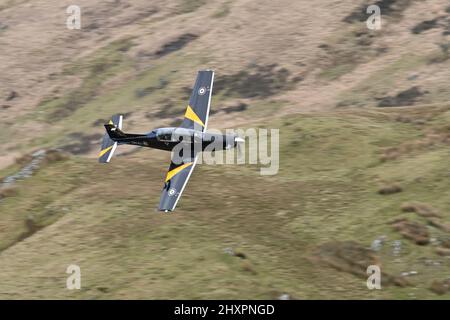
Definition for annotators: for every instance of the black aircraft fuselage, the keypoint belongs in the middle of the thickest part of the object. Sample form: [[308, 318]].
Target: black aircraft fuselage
[[185, 142], [168, 138]]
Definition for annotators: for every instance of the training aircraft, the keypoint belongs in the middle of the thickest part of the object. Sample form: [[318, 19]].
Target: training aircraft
[[191, 134]]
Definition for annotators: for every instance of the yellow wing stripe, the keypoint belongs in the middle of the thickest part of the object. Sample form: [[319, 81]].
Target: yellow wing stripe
[[104, 151], [191, 115], [173, 172]]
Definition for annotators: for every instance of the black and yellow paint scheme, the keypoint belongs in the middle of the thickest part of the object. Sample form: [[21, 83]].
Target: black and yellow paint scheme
[[191, 137], [108, 144]]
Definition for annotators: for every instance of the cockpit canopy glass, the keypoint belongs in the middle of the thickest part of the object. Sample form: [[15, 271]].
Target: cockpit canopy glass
[[174, 134]]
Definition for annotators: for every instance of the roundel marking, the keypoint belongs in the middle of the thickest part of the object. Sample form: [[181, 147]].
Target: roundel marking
[[202, 91]]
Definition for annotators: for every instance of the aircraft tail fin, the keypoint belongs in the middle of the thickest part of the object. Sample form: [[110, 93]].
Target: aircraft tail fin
[[113, 131]]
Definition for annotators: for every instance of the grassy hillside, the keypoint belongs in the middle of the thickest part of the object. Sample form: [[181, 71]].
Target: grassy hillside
[[289, 233], [365, 142]]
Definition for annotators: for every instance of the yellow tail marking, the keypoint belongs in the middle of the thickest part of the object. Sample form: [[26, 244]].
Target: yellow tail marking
[[173, 172], [104, 151], [191, 115], [110, 122]]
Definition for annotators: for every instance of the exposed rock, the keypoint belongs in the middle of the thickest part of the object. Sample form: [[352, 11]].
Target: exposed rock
[[409, 273], [377, 244], [396, 247], [284, 296], [435, 241], [32, 163], [430, 262], [27, 170], [237, 253], [229, 251]]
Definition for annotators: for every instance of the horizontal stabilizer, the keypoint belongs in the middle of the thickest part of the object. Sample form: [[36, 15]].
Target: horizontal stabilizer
[[108, 144]]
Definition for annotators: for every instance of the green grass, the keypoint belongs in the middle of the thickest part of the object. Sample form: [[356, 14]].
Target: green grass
[[102, 217], [93, 100], [326, 191], [381, 82], [105, 63], [344, 51], [335, 72]]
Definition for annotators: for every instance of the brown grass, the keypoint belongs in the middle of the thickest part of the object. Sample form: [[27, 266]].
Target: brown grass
[[445, 242], [10, 191], [23, 160], [123, 232], [440, 287], [353, 258], [443, 252], [438, 224], [412, 231], [247, 266], [432, 138], [422, 209], [390, 189], [55, 155]]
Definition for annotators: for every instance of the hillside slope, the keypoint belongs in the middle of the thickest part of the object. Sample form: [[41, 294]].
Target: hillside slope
[[364, 130]]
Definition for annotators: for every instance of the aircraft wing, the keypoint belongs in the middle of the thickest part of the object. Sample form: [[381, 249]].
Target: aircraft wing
[[196, 117], [197, 112], [176, 180]]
